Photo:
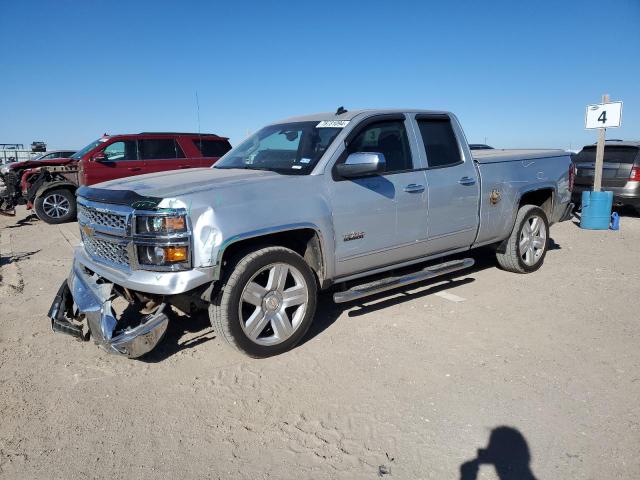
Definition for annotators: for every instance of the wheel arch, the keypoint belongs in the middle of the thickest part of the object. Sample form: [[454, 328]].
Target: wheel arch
[[44, 188], [542, 196], [304, 239]]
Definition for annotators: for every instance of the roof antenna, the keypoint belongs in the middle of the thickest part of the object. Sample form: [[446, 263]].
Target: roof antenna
[[341, 110], [198, 114]]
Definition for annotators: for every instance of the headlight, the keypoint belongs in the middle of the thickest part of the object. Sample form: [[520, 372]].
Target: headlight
[[5, 169], [160, 225], [163, 255]]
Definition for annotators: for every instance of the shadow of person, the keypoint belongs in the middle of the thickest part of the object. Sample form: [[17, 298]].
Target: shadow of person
[[507, 451]]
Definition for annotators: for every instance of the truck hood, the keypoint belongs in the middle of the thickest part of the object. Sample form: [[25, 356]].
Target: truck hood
[[183, 182]]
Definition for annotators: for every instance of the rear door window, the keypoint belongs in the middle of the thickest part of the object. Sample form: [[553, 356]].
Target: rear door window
[[211, 148], [439, 142], [159, 149]]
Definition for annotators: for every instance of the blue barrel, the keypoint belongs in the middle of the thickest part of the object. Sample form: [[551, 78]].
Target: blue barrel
[[596, 210]]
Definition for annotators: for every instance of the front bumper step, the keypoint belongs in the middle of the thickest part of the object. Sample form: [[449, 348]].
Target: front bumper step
[[82, 308]]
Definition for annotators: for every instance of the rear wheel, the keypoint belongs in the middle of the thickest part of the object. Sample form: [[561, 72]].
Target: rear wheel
[[56, 206], [526, 247], [267, 302]]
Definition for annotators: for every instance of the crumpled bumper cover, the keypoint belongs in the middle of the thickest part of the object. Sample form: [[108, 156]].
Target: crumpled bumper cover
[[86, 297]]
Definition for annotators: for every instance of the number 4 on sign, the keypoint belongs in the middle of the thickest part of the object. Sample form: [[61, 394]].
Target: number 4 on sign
[[603, 117]]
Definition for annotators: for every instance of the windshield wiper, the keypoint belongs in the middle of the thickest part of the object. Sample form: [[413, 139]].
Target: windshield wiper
[[248, 167]]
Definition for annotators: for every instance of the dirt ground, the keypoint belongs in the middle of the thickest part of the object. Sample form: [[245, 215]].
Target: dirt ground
[[405, 385]]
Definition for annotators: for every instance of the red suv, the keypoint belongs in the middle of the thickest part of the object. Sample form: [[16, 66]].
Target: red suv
[[50, 189]]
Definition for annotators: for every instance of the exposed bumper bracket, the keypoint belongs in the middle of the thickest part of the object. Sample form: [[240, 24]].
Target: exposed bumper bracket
[[84, 300]]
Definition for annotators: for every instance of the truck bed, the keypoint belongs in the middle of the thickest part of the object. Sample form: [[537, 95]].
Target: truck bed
[[509, 155], [504, 173]]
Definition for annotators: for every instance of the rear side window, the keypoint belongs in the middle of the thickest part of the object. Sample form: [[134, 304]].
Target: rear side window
[[159, 149], [439, 142], [212, 148], [611, 154], [388, 138]]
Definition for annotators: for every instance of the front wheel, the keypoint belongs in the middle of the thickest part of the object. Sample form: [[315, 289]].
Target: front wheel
[[56, 206], [267, 302], [526, 247]]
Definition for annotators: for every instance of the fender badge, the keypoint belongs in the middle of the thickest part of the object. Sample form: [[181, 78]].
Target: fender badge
[[352, 236], [495, 196]]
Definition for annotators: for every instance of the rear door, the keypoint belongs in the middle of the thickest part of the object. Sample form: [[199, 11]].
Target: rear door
[[121, 160], [211, 149], [616, 169], [163, 154], [453, 187]]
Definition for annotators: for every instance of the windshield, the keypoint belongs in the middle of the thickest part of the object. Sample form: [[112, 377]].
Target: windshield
[[290, 148], [81, 153]]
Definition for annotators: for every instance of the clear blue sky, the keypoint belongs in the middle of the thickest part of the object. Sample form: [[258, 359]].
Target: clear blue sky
[[516, 72]]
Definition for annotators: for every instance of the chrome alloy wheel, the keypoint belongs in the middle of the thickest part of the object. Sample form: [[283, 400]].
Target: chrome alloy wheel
[[56, 206], [273, 304], [533, 240]]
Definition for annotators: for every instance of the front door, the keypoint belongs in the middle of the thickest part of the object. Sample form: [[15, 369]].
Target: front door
[[121, 160], [453, 186], [379, 219]]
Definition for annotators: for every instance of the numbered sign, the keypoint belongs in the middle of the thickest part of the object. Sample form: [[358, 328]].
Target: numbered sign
[[603, 115]]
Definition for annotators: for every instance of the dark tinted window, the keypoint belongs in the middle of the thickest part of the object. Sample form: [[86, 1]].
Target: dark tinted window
[[388, 138], [611, 154], [159, 148], [118, 151], [212, 148], [439, 142]]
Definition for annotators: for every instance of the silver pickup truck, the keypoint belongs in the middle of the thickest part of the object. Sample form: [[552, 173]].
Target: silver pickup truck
[[306, 204]]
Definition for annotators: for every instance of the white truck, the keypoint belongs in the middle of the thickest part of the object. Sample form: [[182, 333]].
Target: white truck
[[309, 203]]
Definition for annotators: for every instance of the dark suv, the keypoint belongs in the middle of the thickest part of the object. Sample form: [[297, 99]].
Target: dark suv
[[620, 172]]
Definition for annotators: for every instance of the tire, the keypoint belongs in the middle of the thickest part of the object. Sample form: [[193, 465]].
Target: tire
[[56, 206], [524, 252], [261, 309]]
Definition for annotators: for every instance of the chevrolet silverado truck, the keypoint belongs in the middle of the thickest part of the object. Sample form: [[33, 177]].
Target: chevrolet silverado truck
[[48, 186], [359, 202]]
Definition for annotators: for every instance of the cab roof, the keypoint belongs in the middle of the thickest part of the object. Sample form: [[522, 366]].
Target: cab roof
[[351, 114]]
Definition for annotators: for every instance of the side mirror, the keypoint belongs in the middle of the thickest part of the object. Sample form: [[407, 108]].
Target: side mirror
[[99, 157], [360, 164]]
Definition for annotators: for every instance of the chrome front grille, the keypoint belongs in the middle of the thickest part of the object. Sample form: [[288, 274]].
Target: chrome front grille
[[102, 219], [110, 251]]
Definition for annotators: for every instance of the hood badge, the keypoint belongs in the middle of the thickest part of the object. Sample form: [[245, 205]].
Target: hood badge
[[352, 236]]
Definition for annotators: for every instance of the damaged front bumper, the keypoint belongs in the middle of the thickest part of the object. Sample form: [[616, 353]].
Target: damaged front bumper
[[83, 308]]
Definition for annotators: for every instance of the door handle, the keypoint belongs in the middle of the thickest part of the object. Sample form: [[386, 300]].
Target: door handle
[[467, 181], [414, 188], [134, 169], [181, 167]]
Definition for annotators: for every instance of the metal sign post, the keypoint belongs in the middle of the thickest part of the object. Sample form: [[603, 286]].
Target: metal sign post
[[601, 116]]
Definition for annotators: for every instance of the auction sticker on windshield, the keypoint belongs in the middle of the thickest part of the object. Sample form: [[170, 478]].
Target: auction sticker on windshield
[[333, 124]]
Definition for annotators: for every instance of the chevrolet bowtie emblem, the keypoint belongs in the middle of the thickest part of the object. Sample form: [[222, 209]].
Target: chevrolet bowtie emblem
[[88, 231]]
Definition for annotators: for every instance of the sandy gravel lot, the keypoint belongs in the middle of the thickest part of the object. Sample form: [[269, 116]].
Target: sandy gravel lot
[[406, 385]]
